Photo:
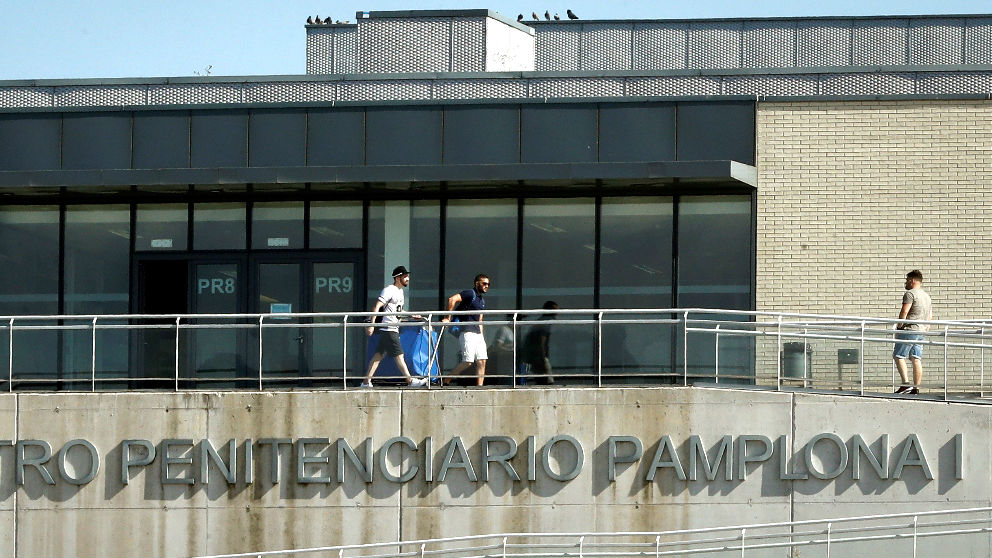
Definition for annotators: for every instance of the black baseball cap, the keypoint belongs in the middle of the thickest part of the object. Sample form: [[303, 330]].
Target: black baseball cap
[[400, 270]]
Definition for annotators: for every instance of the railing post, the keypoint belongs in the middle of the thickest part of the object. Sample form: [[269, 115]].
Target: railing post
[[581, 539], [861, 359], [946, 328], [599, 350], [10, 357], [915, 523], [806, 382], [778, 356], [344, 352], [514, 363], [685, 348], [423, 547], [178, 319], [828, 540], [260, 319], [716, 356], [341, 553], [93, 357], [504, 547], [743, 532], [657, 546], [981, 366]]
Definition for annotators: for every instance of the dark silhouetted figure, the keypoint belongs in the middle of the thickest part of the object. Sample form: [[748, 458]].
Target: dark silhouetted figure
[[571, 15], [556, 17], [534, 15], [327, 20], [310, 20], [547, 16], [316, 20], [520, 17]]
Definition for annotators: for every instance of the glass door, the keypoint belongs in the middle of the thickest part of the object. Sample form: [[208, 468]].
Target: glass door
[[218, 352], [278, 292], [337, 352]]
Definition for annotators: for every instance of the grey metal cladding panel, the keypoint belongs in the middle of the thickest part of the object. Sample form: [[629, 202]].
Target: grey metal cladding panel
[[709, 131], [480, 89], [336, 137], [660, 46], [277, 138], [606, 46], [481, 135], [320, 51], [96, 140], [936, 41], [384, 90], [161, 140], [468, 40], [556, 47], [787, 84], [636, 132], [673, 86], [715, 45], [346, 51], [219, 138], [978, 41], [404, 45], [30, 141], [403, 136], [576, 87], [558, 134], [823, 43], [769, 45], [941, 83], [26, 97], [882, 42], [100, 95], [867, 84]]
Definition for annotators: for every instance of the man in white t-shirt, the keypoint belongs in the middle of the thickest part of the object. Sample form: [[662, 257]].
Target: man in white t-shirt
[[391, 300]]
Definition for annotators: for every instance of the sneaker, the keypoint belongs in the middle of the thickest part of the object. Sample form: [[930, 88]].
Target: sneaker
[[418, 381], [366, 385], [902, 389], [914, 391]]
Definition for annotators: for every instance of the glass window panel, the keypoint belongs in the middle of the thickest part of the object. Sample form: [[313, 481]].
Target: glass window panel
[[714, 240], [559, 264], [97, 263], [277, 225], [219, 226], [29, 281], [636, 272], [336, 225], [405, 233], [161, 227], [217, 354]]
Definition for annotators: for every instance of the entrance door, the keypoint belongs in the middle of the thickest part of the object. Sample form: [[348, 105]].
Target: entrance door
[[218, 356], [164, 290], [337, 352]]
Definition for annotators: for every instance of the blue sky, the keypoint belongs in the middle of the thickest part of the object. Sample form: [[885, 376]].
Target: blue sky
[[43, 39]]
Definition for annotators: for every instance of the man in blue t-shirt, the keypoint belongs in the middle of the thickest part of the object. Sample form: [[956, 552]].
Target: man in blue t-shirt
[[471, 344]]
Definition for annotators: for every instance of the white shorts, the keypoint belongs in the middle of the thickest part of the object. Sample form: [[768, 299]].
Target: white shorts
[[472, 346]]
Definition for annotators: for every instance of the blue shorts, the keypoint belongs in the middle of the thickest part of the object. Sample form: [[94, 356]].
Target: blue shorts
[[911, 350]]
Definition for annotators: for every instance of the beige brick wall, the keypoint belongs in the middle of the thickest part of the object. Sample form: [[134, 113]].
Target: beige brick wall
[[853, 194]]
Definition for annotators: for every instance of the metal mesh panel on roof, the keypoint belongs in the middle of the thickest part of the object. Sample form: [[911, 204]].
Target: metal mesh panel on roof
[[480, 89], [289, 92], [879, 42], [468, 39], [100, 95], [769, 45], [384, 90], [823, 43], [576, 87], [557, 47], [26, 97], [194, 93], [790, 84], [606, 46], [346, 50], [673, 86], [938, 83], [404, 45], [978, 41], [660, 46], [867, 84], [715, 45], [936, 41], [320, 50]]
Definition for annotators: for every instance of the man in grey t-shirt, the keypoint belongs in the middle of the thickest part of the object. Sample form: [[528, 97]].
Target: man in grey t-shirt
[[915, 306]]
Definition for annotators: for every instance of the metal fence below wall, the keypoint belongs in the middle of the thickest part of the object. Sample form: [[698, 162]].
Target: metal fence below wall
[[620, 347], [509, 86]]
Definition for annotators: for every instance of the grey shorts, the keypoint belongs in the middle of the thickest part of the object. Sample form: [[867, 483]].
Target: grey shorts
[[389, 344]]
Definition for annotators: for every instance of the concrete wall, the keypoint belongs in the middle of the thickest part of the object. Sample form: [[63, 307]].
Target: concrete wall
[[146, 517], [854, 194]]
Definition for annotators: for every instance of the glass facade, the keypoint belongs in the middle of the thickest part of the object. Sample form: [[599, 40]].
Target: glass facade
[[187, 256]]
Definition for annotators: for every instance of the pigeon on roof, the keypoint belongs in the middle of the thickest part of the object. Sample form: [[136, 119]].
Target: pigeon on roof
[[309, 20], [327, 20], [520, 17], [316, 20], [547, 16], [534, 15], [557, 18], [571, 15]]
